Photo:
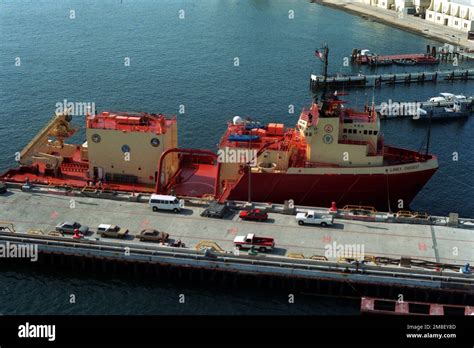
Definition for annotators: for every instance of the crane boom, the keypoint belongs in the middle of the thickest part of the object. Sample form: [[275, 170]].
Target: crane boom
[[41, 149]]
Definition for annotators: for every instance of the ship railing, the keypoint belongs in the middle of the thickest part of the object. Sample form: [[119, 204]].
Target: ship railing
[[364, 208], [309, 164], [359, 117], [405, 155]]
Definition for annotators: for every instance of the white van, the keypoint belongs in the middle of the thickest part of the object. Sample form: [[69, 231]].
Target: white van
[[163, 202]]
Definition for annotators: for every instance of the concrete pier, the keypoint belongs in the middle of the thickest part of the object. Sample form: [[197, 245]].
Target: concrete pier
[[436, 252]]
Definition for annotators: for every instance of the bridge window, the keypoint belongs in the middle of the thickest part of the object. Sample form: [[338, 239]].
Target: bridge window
[[365, 132], [344, 130], [375, 132], [370, 132]]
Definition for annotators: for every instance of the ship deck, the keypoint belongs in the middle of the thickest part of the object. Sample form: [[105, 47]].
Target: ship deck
[[33, 210], [70, 179], [196, 180]]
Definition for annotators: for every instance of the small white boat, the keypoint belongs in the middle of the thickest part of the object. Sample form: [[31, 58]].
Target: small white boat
[[446, 97]]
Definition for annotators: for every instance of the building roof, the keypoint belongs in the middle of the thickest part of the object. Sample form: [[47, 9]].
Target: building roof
[[464, 2], [130, 122]]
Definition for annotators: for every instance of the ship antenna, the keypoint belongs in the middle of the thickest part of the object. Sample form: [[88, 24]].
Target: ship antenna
[[325, 69], [324, 59]]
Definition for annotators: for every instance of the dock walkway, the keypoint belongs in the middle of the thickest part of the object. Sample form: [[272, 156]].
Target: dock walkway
[[378, 80]]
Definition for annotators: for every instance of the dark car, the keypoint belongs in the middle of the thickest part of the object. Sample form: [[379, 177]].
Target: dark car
[[254, 214], [215, 210], [69, 227], [151, 235]]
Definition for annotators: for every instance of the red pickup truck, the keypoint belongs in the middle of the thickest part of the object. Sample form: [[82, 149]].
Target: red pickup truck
[[250, 240], [254, 214]]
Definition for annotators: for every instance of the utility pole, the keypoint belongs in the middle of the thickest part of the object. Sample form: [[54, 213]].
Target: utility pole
[[250, 168]]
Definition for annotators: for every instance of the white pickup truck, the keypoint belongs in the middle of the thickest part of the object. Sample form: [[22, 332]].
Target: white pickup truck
[[311, 218]]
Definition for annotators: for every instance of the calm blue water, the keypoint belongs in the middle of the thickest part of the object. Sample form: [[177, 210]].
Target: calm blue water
[[190, 62]]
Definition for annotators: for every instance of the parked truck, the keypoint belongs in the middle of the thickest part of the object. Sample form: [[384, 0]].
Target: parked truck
[[251, 241], [311, 218]]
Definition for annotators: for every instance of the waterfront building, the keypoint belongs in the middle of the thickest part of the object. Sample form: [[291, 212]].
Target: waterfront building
[[458, 14], [416, 6], [386, 4]]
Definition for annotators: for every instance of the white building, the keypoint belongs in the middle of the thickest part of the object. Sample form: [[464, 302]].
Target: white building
[[400, 5], [457, 14], [386, 4], [419, 6]]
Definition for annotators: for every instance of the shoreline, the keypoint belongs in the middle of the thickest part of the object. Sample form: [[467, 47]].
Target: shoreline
[[409, 23]]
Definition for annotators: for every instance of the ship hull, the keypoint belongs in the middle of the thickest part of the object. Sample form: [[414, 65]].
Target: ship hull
[[391, 192]]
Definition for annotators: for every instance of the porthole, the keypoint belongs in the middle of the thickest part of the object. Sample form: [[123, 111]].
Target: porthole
[[125, 148], [155, 142], [96, 138]]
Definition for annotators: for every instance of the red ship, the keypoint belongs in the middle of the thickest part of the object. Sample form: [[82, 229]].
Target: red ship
[[334, 154]]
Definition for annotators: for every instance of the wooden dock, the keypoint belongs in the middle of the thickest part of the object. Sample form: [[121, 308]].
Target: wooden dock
[[361, 80]]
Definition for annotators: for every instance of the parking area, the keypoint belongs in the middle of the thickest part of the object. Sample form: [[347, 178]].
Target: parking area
[[432, 243]]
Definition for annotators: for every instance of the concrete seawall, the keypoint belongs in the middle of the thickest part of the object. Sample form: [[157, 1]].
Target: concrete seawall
[[406, 22]]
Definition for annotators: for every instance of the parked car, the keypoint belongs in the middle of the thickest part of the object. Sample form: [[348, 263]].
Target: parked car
[[152, 235], [250, 240], [164, 202], [404, 214], [254, 214], [69, 227], [312, 218], [112, 231], [421, 215], [215, 210]]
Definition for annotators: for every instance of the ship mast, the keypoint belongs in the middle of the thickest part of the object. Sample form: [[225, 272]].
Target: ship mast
[[325, 77], [325, 66]]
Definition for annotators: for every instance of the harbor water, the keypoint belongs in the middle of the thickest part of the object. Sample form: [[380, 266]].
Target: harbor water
[[206, 62]]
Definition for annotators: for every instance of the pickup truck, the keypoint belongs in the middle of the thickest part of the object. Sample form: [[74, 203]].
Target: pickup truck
[[250, 240], [254, 214], [311, 218]]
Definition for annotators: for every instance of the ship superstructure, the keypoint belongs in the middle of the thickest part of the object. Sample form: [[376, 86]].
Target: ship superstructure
[[333, 154]]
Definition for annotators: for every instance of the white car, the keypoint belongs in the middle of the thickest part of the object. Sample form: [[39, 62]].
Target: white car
[[312, 218]]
